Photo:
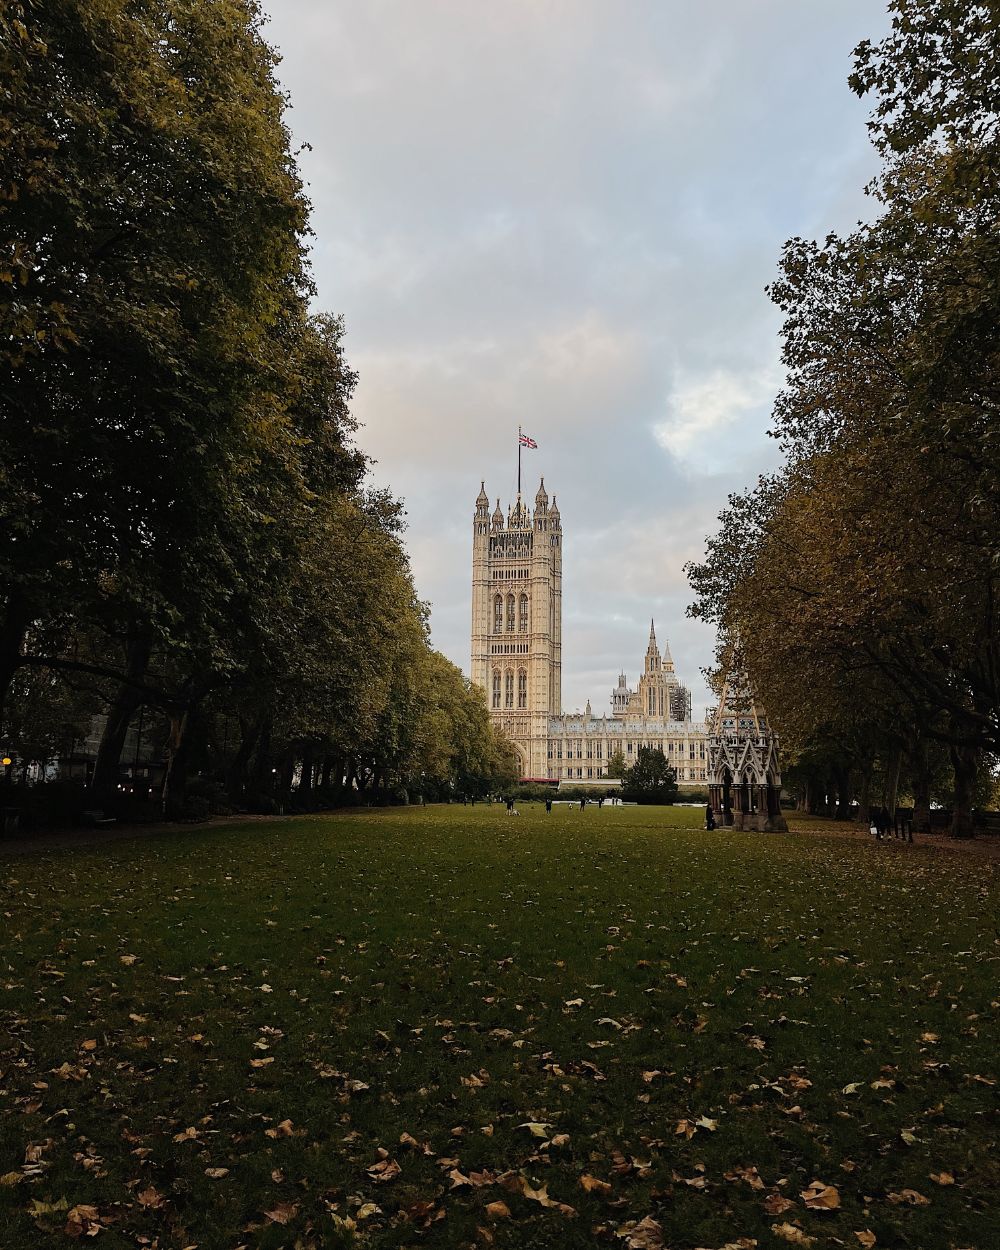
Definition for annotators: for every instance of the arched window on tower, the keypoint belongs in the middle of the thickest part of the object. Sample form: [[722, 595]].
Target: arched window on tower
[[508, 688], [510, 614], [523, 619], [522, 688], [496, 687], [498, 614]]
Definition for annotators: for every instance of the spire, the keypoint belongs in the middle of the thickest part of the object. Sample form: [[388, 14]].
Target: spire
[[541, 498], [498, 517], [482, 499]]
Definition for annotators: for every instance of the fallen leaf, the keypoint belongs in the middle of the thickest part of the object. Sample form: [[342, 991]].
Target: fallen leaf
[[821, 1197], [82, 1220], [646, 1235], [942, 1178], [216, 1174], [151, 1198], [283, 1213], [866, 1237], [909, 1197], [498, 1210], [384, 1171], [777, 1204], [284, 1129], [792, 1233], [593, 1185]]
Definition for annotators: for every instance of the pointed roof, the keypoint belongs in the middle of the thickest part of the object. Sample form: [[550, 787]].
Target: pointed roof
[[739, 711], [541, 496], [652, 648], [482, 499]]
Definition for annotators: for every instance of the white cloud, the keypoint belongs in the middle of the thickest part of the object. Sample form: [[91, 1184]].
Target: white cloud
[[711, 418]]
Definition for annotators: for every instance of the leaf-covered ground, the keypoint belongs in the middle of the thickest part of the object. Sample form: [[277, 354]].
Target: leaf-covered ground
[[444, 1027]]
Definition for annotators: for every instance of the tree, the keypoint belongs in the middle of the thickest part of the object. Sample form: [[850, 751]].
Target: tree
[[864, 573], [616, 764], [650, 779], [152, 241]]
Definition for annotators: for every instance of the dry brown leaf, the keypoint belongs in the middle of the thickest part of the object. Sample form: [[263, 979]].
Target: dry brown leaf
[[498, 1210], [216, 1174], [866, 1237], [910, 1197], [283, 1213], [821, 1197], [777, 1204], [792, 1233], [83, 1220], [646, 1235], [384, 1171], [152, 1198], [942, 1178], [593, 1185], [284, 1129]]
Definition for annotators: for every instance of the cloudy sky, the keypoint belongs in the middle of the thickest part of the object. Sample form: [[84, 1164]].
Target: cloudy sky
[[564, 213]]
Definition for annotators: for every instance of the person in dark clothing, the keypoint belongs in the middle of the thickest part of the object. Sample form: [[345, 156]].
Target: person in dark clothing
[[548, 805], [709, 817]]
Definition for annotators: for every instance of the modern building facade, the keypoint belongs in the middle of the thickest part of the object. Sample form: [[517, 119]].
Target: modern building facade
[[517, 660]]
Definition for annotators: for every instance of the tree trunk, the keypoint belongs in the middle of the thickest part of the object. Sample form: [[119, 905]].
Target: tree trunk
[[238, 772], [965, 763], [124, 706], [865, 800], [306, 776], [921, 790], [175, 778], [261, 773], [13, 628], [328, 763], [842, 782], [897, 760], [287, 771]]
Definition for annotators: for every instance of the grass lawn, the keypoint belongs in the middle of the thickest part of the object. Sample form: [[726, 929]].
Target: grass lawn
[[443, 1027]]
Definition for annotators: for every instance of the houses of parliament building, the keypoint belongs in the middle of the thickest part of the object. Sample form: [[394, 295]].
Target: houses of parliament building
[[517, 660]]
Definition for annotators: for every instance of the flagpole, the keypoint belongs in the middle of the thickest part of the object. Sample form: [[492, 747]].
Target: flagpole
[[519, 462]]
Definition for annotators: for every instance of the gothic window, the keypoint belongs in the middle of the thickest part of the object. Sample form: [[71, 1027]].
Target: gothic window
[[496, 687], [510, 614], [508, 688], [522, 688], [498, 614], [523, 619]]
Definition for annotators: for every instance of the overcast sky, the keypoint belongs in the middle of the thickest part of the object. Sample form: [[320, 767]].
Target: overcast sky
[[564, 213]]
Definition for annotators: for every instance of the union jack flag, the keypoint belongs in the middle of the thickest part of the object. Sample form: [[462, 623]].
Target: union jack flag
[[525, 441]]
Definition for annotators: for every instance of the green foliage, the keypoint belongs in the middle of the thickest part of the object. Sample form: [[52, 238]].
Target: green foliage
[[861, 579], [650, 779], [616, 763], [186, 524]]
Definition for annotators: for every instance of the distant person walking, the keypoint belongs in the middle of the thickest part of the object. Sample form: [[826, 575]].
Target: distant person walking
[[583, 804], [709, 818], [548, 806]]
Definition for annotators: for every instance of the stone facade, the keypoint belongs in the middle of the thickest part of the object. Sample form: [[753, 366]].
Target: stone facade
[[517, 660]]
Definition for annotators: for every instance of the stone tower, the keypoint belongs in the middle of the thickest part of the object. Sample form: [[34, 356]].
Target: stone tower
[[517, 621]]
